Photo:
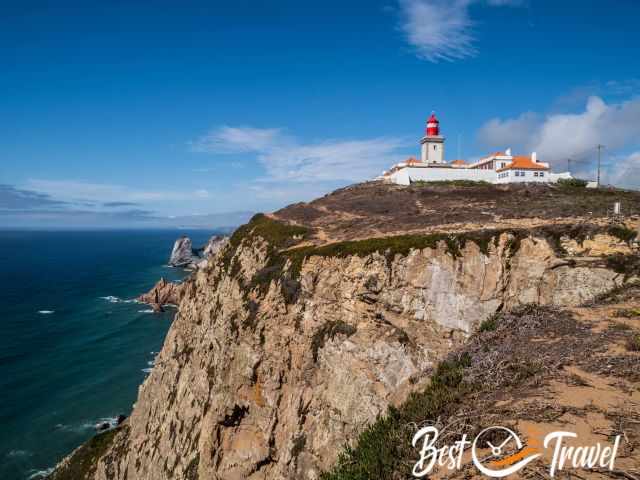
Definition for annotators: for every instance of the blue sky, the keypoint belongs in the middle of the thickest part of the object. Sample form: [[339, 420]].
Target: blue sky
[[185, 113]]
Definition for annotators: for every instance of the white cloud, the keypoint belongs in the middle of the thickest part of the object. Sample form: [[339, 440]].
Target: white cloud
[[442, 29], [438, 29], [560, 136], [516, 132], [557, 137], [79, 191], [624, 172], [286, 159], [237, 140]]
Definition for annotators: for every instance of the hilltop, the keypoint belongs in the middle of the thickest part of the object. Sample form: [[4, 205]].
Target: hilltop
[[375, 209]]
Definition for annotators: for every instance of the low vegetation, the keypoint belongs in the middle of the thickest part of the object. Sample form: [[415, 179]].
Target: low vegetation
[[628, 313], [82, 464], [467, 391], [489, 324], [281, 251], [628, 265], [623, 233], [572, 182], [633, 344], [382, 449], [374, 208]]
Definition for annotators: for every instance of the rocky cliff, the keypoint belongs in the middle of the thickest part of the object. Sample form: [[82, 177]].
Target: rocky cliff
[[284, 347]]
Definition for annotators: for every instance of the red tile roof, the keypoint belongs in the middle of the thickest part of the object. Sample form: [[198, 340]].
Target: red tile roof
[[523, 163]]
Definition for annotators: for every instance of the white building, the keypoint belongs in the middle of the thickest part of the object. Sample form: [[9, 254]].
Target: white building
[[500, 167]]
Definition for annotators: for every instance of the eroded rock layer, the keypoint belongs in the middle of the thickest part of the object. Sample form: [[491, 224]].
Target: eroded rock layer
[[278, 356]]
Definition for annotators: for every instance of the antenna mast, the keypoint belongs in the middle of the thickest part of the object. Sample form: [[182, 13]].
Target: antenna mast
[[599, 147]]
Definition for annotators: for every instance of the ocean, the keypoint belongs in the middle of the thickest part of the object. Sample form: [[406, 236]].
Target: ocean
[[74, 347]]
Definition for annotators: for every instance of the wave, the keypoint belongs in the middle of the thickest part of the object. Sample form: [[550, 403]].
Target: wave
[[147, 370], [46, 312], [40, 473], [146, 311], [19, 453], [111, 421], [114, 299], [88, 425]]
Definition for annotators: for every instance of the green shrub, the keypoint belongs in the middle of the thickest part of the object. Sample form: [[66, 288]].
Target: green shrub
[[83, 461], [383, 449], [572, 182], [633, 344], [490, 323], [628, 265], [623, 233]]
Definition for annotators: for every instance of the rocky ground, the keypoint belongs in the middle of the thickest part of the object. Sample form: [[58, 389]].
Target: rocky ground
[[287, 345], [377, 209], [534, 370]]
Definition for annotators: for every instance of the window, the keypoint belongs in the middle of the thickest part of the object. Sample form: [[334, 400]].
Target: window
[[542, 174], [435, 147], [535, 174]]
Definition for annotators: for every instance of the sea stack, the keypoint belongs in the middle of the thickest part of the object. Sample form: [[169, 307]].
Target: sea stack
[[182, 253]]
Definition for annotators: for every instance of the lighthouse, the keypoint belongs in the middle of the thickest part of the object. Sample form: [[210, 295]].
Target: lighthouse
[[432, 143]]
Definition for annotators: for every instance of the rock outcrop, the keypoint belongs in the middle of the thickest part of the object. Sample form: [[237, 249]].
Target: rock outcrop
[[182, 254], [214, 245], [275, 359], [162, 294]]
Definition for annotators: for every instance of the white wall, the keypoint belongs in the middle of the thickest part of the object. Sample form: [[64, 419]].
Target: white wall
[[434, 174], [407, 175], [528, 177]]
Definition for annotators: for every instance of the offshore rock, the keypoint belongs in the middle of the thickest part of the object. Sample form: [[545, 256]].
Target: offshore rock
[[182, 254]]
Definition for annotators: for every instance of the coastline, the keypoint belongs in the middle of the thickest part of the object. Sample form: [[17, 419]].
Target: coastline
[[81, 363]]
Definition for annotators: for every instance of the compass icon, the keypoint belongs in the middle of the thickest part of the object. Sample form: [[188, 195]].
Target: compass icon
[[501, 450]]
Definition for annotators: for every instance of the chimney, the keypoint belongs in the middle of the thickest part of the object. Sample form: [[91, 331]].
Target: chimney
[[534, 157], [508, 152]]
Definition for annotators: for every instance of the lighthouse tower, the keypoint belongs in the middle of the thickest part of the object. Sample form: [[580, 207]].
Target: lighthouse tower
[[432, 143]]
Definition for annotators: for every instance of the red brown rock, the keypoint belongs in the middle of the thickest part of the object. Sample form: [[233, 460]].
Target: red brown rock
[[162, 293]]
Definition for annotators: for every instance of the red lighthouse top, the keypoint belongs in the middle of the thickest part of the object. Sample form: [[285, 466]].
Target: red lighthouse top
[[433, 126]]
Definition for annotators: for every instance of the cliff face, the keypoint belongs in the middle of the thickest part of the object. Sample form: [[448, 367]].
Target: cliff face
[[274, 360]]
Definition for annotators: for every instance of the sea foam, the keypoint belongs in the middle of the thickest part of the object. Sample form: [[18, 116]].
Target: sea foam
[[114, 299], [41, 473]]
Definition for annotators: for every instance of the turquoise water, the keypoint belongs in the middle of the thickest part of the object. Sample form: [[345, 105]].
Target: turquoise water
[[65, 371]]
